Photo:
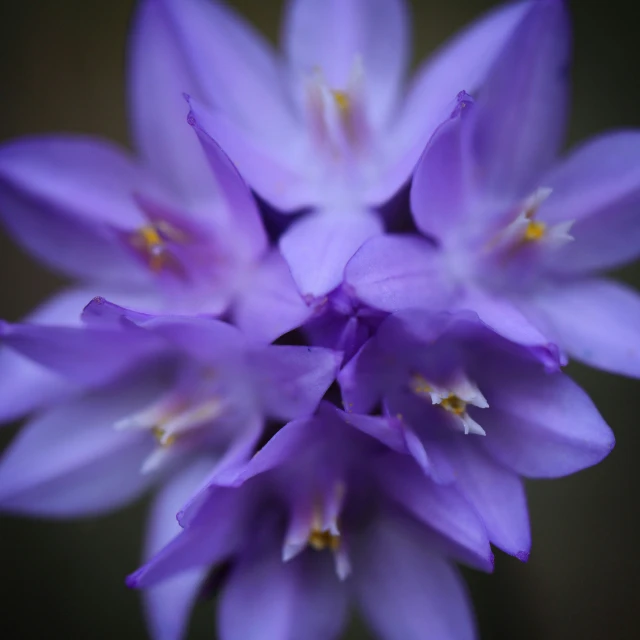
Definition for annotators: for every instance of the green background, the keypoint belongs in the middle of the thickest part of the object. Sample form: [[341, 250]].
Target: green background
[[62, 69]]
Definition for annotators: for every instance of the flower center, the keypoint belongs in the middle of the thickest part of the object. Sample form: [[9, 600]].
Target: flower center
[[336, 116], [324, 539], [151, 243], [534, 231], [454, 404], [454, 399]]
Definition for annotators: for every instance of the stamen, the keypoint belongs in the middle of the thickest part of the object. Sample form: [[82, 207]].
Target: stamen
[[148, 240], [151, 241], [454, 404], [342, 99], [163, 439], [321, 540], [535, 231]]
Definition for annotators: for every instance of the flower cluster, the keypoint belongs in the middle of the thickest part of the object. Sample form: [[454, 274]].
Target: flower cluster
[[328, 409]]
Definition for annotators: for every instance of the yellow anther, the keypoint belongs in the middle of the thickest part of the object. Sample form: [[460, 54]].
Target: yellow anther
[[420, 386], [342, 100], [535, 231], [320, 540], [160, 435], [454, 404], [149, 241], [149, 236]]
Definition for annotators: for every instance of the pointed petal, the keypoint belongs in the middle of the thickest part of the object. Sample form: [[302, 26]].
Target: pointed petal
[[522, 107], [539, 425], [212, 539], [318, 246], [507, 320], [84, 355], [496, 493], [460, 65], [270, 304], [407, 590], [398, 272], [598, 186], [27, 385], [159, 75], [169, 604], [292, 380], [275, 171], [204, 339], [289, 600], [287, 444], [374, 32], [441, 191], [70, 461], [236, 212], [61, 198], [597, 321], [441, 508]]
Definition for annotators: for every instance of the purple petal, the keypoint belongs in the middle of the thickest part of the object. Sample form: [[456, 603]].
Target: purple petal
[[496, 493], [441, 191], [598, 186], [276, 171], [522, 107], [444, 509], [70, 461], [597, 321], [461, 64], [292, 380], [159, 74], [373, 32], [398, 272], [362, 379], [204, 339], [211, 540], [407, 590], [235, 67], [288, 601], [286, 445], [84, 355], [318, 246], [237, 213], [270, 304], [539, 425], [507, 320], [169, 604], [26, 384], [62, 197]]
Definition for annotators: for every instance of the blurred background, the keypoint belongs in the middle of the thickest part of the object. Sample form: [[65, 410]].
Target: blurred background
[[62, 67]]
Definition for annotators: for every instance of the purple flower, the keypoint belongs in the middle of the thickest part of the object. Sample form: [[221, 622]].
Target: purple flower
[[169, 401], [521, 236], [321, 514], [330, 124], [475, 410], [176, 231]]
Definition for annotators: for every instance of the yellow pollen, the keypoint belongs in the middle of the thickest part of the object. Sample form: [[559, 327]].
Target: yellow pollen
[[159, 433], [320, 540], [420, 386], [454, 404], [535, 231], [149, 235], [148, 240], [342, 100]]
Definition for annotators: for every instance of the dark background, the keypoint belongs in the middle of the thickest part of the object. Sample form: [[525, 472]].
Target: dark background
[[62, 69]]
